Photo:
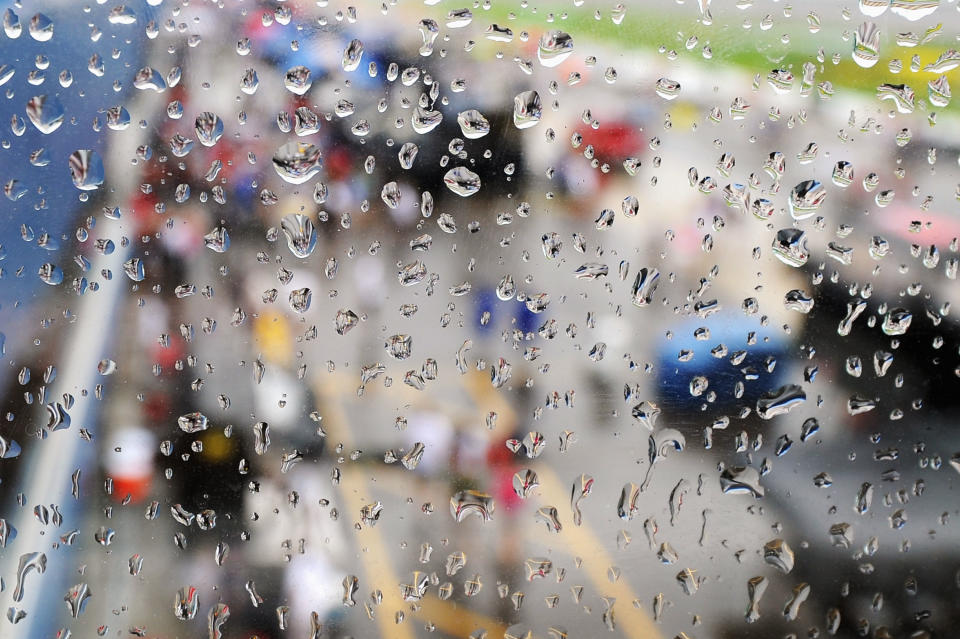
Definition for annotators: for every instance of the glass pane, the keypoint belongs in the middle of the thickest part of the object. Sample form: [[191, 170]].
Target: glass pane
[[490, 319]]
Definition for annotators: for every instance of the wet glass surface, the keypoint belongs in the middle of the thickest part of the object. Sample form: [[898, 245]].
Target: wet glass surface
[[479, 320]]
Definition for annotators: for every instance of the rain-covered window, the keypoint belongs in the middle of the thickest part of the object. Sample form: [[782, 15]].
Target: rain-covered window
[[482, 319]]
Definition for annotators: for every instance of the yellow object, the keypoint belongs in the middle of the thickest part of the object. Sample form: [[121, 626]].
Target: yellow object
[[274, 340]]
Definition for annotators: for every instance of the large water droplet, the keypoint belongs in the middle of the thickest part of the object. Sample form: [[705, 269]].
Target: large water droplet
[[122, 14], [45, 112], [778, 553], [473, 124], [407, 154], [41, 27], [186, 603], [86, 169], [149, 78], [29, 562], [297, 162], [11, 24], [914, 10], [352, 55], [429, 30], [471, 502], [790, 247], [866, 46], [134, 269], [897, 322], [462, 181], [209, 128], [424, 120], [193, 422], [667, 89], [299, 299], [390, 194], [118, 118], [76, 599], [741, 479], [555, 47], [806, 198], [301, 234], [901, 94], [780, 401], [217, 240], [527, 109], [297, 80]]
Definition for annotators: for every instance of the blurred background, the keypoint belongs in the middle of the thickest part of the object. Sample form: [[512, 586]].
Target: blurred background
[[479, 319]]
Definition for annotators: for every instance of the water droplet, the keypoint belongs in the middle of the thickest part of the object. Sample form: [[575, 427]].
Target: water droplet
[[554, 48], [780, 80], [947, 61], [667, 89], [897, 321], [471, 502], [582, 487], [352, 56], [756, 586], [11, 24], [45, 112], [390, 194], [412, 273], [209, 128], [217, 240], [29, 562], [407, 154], [122, 14], [186, 603], [644, 286], [76, 599], [217, 616], [527, 109], [913, 10], [459, 18], [424, 120], [741, 479], [345, 321], [778, 553], [938, 91], [107, 367], [297, 162], [901, 94], [429, 30], [412, 458], [41, 28], [780, 401], [790, 247], [299, 299], [50, 274], [149, 78], [86, 169], [866, 47], [297, 80], [300, 233], [806, 198], [399, 346], [473, 124], [462, 181], [193, 422]]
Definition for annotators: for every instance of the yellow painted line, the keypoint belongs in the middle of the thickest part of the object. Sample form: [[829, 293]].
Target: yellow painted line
[[579, 540], [487, 398], [373, 553], [448, 616], [582, 541], [453, 619]]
